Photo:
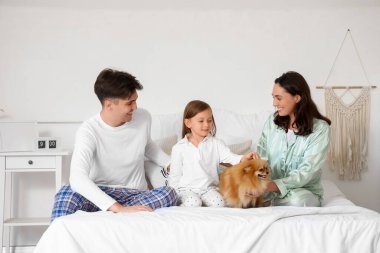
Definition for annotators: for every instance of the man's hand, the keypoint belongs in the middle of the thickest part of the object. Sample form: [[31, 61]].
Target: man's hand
[[117, 208]]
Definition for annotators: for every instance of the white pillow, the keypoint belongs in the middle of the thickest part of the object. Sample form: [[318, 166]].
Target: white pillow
[[167, 143], [155, 175], [234, 127], [332, 196], [166, 125], [241, 148]]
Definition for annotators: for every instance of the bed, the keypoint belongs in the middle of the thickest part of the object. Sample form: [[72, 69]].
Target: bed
[[337, 226]]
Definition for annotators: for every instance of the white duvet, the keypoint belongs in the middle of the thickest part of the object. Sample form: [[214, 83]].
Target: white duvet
[[177, 229]]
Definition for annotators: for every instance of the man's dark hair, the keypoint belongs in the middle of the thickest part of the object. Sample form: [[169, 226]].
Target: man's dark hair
[[115, 84]]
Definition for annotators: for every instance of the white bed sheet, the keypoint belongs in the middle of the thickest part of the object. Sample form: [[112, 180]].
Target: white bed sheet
[[342, 227]]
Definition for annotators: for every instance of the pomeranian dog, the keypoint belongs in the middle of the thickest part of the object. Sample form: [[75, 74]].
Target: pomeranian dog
[[243, 184]]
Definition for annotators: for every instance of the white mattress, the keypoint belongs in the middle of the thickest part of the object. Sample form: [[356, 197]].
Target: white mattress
[[338, 226]]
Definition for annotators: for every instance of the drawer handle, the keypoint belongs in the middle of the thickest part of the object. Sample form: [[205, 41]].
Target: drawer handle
[[30, 162]]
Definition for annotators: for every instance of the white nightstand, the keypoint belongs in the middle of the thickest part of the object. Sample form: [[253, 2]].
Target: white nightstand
[[11, 162]]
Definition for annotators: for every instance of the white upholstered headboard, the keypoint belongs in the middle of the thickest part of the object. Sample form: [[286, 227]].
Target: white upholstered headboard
[[232, 127]]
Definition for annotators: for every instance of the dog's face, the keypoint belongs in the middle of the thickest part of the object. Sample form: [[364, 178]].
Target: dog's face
[[263, 172], [243, 184], [259, 169]]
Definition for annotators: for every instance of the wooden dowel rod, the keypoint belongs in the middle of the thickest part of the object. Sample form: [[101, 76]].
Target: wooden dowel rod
[[345, 87]]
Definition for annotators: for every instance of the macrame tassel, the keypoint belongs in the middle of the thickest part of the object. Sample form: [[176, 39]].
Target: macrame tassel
[[349, 133]]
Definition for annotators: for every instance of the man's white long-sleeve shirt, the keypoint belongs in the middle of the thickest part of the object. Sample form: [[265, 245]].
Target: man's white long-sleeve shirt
[[113, 156], [197, 167]]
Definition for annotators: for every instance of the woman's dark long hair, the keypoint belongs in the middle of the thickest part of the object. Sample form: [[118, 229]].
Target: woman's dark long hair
[[305, 111]]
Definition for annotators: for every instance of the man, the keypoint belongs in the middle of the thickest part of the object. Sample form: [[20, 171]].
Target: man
[[107, 166]]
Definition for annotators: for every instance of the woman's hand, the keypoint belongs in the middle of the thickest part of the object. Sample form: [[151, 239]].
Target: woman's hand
[[272, 187], [250, 156]]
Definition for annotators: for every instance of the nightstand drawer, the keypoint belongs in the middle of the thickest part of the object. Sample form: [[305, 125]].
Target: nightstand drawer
[[25, 162]]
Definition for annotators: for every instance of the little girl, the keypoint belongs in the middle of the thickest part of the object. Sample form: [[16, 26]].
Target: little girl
[[195, 158]]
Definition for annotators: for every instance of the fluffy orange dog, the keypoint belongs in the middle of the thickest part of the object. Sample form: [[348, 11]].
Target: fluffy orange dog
[[243, 184]]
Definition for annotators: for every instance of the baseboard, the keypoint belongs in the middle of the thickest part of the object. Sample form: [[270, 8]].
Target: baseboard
[[19, 249]]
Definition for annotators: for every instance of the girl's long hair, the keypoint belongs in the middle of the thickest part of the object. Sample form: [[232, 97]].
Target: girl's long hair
[[193, 108]]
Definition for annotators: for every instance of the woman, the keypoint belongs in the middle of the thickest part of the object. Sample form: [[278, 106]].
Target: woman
[[295, 141]]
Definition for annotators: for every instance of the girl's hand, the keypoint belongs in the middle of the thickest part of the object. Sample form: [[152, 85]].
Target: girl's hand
[[250, 156]]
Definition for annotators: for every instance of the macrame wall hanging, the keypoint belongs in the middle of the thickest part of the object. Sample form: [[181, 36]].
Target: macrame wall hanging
[[349, 124]]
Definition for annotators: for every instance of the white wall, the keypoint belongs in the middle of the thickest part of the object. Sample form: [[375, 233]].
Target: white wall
[[225, 52]]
